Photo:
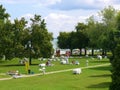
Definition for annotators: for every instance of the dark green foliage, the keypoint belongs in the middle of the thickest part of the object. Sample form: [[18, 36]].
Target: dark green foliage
[[80, 27], [41, 38], [73, 40], [3, 14], [115, 85], [18, 28], [15, 36], [64, 40]]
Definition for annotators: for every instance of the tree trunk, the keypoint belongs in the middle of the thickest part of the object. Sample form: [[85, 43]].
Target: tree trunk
[[103, 52], [85, 51], [80, 52], [71, 51], [92, 52]]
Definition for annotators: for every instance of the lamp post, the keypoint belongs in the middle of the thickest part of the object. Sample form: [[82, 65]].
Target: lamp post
[[30, 47]]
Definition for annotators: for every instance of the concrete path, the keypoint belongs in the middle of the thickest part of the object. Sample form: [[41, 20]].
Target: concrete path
[[57, 71]]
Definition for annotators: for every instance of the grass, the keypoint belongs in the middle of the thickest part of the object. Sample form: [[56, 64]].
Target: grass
[[5, 66], [97, 78], [90, 79]]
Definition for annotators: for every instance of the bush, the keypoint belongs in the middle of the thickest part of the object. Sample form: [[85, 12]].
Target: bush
[[115, 84]]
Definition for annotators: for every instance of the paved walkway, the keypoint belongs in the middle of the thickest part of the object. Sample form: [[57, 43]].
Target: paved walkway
[[57, 71]]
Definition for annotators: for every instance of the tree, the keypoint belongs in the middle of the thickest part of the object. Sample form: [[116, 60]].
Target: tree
[[80, 27], [63, 40], [118, 21], [72, 40], [6, 34], [115, 59], [104, 31], [79, 40], [3, 14], [109, 20], [19, 28], [40, 38], [81, 37], [101, 33], [92, 33], [14, 37], [115, 84], [6, 40]]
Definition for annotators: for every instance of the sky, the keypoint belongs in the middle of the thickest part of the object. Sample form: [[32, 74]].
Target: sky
[[59, 15]]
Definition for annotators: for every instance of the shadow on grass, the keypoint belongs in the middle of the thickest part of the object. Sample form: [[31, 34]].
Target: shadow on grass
[[100, 61], [100, 85], [104, 75], [12, 65], [1, 61], [103, 68]]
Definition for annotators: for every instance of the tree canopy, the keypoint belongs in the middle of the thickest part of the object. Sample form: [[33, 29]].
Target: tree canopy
[[14, 37]]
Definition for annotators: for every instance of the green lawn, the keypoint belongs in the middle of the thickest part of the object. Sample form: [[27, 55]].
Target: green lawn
[[5, 66], [97, 78]]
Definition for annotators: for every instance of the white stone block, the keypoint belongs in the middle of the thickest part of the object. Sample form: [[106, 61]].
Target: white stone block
[[42, 65], [63, 62], [77, 71], [99, 57]]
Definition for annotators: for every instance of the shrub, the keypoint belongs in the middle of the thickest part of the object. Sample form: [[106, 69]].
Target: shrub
[[115, 84]]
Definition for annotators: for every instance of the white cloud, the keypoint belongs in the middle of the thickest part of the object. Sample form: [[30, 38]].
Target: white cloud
[[21, 2], [57, 22], [82, 4], [117, 6], [65, 4], [27, 16], [40, 2], [67, 13], [8, 1], [45, 3], [49, 2]]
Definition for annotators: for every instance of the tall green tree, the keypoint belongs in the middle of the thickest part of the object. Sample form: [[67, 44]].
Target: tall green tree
[[6, 34], [3, 14], [115, 60], [81, 37], [19, 28], [79, 40], [115, 84], [63, 40], [108, 15], [6, 40], [101, 33], [92, 33], [40, 38], [80, 27], [118, 20]]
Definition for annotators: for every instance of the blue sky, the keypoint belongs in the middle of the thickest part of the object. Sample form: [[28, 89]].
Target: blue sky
[[60, 15]]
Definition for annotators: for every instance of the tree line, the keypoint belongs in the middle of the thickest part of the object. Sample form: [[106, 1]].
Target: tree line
[[94, 33], [17, 38], [103, 33]]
